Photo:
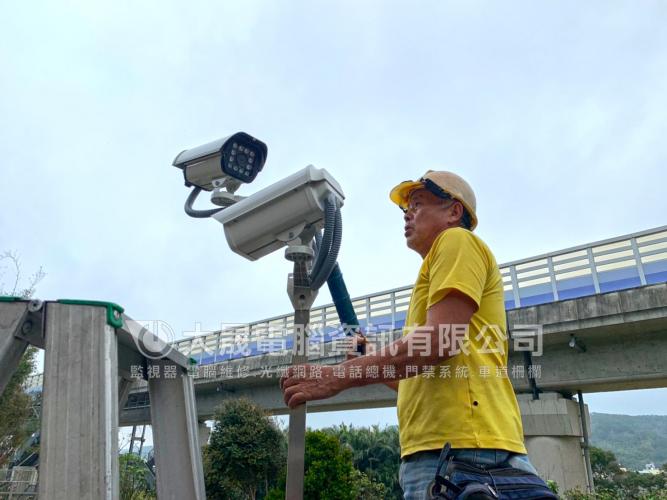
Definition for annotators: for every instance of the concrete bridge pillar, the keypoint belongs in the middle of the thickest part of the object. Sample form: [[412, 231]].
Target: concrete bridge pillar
[[553, 435]]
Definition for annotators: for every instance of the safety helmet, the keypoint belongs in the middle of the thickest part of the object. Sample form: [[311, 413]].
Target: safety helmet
[[440, 183]]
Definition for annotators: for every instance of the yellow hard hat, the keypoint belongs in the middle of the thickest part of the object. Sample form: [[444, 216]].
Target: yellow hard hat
[[440, 183]]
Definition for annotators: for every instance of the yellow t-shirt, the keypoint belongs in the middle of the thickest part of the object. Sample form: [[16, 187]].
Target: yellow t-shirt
[[472, 403]]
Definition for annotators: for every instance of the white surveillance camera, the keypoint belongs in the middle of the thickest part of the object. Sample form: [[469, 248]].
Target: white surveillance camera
[[268, 219], [227, 162]]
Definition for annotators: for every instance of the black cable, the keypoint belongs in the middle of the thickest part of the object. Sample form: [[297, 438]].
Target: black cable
[[325, 244], [198, 214], [330, 255]]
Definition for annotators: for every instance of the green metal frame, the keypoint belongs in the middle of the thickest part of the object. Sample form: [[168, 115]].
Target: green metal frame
[[114, 311]]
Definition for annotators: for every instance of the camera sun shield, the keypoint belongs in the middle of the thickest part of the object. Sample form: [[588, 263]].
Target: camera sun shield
[[239, 156]]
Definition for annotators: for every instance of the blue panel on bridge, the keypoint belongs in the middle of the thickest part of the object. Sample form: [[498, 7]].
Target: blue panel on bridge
[[575, 293], [534, 300], [655, 272], [619, 279], [509, 299], [536, 294], [572, 288]]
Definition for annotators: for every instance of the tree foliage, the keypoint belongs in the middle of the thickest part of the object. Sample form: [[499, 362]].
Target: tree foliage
[[612, 483], [330, 473], [246, 452], [16, 422], [604, 464], [375, 452], [329, 468], [135, 478]]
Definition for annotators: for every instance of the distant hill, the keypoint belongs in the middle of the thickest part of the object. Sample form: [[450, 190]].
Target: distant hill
[[635, 440]]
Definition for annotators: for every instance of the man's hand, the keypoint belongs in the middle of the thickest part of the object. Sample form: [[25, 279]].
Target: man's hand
[[358, 340], [299, 389]]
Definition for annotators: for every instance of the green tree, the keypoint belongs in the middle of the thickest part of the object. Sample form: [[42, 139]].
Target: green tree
[[16, 422], [329, 468], [604, 463], [375, 452], [611, 483], [135, 478], [329, 474], [367, 489], [246, 452]]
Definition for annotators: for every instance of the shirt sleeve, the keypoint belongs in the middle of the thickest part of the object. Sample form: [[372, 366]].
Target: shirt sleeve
[[457, 262]]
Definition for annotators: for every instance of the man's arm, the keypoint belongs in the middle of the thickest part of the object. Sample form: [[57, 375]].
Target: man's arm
[[454, 309], [370, 349]]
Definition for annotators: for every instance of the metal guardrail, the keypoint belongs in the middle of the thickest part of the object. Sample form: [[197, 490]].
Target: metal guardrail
[[18, 483], [613, 264]]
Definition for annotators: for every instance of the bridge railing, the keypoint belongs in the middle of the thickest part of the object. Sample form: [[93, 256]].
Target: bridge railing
[[614, 264]]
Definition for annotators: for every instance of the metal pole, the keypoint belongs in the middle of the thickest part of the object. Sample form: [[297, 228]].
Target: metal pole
[[134, 430], [297, 417], [586, 446], [141, 442], [302, 298]]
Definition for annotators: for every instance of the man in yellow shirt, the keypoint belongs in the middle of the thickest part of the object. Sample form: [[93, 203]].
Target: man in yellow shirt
[[450, 366]]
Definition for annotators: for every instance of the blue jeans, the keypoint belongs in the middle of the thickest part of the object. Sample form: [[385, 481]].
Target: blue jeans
[[418, 470]]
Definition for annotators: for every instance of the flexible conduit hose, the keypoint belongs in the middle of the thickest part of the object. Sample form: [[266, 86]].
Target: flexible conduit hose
[[329, 247], [324, 245], [332, 256], [198, 214], [341, 297]]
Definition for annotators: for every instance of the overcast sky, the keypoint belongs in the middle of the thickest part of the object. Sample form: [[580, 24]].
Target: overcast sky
[[555, 112]]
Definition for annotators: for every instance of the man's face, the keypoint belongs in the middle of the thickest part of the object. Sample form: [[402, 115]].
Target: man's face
[[427, 216]]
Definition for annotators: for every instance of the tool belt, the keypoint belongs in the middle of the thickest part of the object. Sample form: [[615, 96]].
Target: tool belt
[[461, 481]]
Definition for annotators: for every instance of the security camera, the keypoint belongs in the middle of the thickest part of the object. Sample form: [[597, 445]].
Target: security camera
[[227, 162], [272, 217]]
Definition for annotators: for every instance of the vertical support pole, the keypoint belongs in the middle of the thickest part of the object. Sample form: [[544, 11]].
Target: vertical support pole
[[79, 439], [12, 315], [296, 446], [586, 445], [594, 271], [638, 261], [552, 277], [515, 287], [142, 439], [134, 431], [175, 432]]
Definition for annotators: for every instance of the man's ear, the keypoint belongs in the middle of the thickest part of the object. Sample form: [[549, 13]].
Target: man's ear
[[457, 211]]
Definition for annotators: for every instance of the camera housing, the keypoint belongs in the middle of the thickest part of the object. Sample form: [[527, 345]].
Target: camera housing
[[267, 220], [227, 162]]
